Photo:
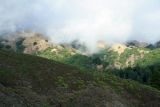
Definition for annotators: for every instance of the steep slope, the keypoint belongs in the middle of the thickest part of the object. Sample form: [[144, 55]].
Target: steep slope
[[29, 81]]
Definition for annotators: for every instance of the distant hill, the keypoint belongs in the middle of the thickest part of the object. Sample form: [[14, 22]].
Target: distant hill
[[30, 81], [135, 43]]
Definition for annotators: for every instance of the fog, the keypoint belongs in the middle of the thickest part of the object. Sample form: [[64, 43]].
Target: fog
[[86, 20]]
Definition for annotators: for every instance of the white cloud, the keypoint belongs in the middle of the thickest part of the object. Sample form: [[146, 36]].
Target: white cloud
[[87, 20]]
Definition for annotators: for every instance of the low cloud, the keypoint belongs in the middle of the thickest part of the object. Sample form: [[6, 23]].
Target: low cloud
[[86, 20]]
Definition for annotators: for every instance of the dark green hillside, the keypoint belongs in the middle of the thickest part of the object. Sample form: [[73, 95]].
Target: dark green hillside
[[145, 70], [29, 81], [140, 64]]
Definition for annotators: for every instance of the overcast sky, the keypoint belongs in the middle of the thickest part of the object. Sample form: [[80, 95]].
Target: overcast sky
[[87, 20]]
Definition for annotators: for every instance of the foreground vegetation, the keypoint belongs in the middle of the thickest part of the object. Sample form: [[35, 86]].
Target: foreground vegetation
[[30, 81]]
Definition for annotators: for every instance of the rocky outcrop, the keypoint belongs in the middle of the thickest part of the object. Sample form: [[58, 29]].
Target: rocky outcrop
[[131, 60], [35, 43], [120, 48], [24, 42]]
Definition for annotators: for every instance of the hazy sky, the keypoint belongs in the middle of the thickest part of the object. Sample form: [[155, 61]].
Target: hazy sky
[[87, 20]]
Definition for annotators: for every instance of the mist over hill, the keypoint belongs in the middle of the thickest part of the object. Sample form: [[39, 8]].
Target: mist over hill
[[132, 60], [88, 20], [30, 41], [83, 53]]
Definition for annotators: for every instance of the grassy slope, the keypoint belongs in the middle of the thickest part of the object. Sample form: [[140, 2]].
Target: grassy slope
[[107, 57], [27, 81], [64, 55]]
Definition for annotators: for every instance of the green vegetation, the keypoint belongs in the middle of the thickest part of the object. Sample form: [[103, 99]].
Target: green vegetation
[[65, 55], [106, 57], [150, 58], [143, 68], [80, 61], [32, 81], [127, 53], [146, 69], [61, 82], [59, 55]]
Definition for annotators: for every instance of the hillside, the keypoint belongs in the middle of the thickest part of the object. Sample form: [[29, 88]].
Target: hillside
[[140, 64], [30, 81], [134, 60]]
